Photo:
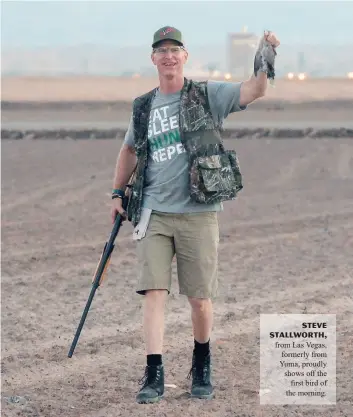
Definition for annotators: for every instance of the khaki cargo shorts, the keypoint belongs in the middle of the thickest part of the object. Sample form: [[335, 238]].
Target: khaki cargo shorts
[[193, 239]]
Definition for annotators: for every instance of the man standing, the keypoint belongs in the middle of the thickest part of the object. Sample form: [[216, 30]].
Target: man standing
[[182, 174]]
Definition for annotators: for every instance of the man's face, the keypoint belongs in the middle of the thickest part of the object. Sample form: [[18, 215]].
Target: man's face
[[169, 58]]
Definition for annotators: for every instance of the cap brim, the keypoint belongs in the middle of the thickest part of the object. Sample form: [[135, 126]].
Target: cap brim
[[163, 40]]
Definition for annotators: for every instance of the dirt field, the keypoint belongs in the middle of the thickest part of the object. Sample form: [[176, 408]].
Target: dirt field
[[105, 103], [39, 89], [286, 247]]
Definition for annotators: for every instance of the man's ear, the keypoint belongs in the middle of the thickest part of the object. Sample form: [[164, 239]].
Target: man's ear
[[153, 58]]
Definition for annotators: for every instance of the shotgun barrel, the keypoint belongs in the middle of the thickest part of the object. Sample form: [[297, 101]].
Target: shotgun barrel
[[99, 273]]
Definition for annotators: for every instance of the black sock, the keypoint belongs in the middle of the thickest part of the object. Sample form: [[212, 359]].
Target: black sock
[[154, 360], [201, 349]]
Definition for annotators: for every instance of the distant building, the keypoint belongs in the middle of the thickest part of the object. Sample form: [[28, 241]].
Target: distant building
[[241, 51]]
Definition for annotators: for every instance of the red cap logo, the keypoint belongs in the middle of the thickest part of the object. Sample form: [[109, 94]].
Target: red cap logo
[[168, 30]]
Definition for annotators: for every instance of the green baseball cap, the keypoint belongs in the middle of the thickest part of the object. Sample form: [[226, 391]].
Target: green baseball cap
[[167, 33]]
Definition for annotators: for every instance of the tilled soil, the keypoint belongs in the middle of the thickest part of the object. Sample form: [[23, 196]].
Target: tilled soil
[[286, 247]]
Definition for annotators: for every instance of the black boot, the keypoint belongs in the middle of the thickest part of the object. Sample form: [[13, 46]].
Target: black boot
[[152, 385], [201, 386]]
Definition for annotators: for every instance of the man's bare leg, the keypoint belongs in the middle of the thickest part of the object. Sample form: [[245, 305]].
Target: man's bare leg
[[202, 318], [153, 321]]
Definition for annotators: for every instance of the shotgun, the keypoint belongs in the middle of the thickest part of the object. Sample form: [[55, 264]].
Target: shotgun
[[100, 272]]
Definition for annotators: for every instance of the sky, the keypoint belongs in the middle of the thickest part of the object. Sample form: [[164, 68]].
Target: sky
[[126, 23]]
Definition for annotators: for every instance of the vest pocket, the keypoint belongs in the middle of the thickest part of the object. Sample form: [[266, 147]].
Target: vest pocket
[[215, 178], [215, 175], [234, 162]]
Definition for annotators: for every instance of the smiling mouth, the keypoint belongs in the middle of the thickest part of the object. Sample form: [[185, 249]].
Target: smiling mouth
[[169, 65]]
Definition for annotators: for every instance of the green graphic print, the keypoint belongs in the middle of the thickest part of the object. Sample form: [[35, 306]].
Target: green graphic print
[[163, 135]]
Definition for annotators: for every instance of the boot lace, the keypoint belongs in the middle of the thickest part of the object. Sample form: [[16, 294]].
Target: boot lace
[[150, 378], [144, 379], [200, 371]]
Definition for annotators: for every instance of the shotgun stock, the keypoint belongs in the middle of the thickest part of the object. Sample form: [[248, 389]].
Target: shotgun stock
[[99, 273]]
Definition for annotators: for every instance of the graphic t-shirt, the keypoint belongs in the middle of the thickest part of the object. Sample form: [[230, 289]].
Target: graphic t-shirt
[[167, 177]]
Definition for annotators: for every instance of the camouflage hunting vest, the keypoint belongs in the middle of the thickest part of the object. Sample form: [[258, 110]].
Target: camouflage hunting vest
[[214, 174]]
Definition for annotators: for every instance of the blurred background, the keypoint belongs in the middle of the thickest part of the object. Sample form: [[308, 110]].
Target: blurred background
[[57, 56], [113, 37]]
